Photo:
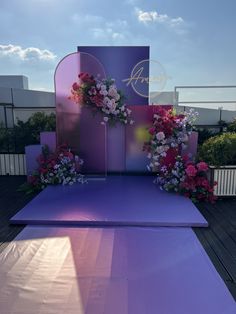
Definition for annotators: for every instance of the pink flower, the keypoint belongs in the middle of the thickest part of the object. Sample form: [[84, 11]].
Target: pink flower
[[191, 171], [75, 86], [202, 166], [152, 131]]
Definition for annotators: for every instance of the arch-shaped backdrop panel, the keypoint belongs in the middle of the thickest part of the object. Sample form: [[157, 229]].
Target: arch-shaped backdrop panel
[[76, 126]]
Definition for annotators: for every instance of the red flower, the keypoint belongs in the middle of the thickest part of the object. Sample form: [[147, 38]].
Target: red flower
[[191, 171], [97, 100], [202, 166], [75, 86], [43, 170], [152, 131], [86, 78]]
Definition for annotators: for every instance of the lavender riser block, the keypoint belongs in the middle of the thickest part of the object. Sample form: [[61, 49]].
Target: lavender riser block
[[119, 200]]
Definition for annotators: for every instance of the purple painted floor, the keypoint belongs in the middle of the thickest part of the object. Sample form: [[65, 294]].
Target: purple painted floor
[[53, 270], [120, 200]]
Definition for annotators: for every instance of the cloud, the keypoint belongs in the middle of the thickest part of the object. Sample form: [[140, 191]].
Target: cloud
[[147, 17], [107, 33], [30, 53]]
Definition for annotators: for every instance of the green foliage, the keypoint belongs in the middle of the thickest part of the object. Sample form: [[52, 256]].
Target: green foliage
[[26, 133], [204, 134], [219, 150], [232, 126]]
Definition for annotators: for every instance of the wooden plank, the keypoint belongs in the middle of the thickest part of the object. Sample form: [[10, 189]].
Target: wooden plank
[[223, 254], [212, 255], [221, 234], [223, 221]]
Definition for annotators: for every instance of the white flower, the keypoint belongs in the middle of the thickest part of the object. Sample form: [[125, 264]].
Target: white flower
[[159, 149], [112, 92], [160, 136], [117, 97], [131, 122], [129, 111], [105, 119], [103, 92], [149, 156]]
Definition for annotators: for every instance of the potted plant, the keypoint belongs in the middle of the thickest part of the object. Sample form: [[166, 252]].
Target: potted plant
[[220, 153]]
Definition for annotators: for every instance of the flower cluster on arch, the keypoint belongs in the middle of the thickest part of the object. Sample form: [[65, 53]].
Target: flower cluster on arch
[[101, 96]]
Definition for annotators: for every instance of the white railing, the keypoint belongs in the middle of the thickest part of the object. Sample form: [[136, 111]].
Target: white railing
[[226, 179], [12, 164]]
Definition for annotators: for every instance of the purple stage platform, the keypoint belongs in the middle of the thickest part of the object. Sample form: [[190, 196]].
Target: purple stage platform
[[118, 200], [132, 270]]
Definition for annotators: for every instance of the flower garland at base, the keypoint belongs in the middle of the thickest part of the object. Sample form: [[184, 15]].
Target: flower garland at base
[[101, 96], [61, 167], [187, 178]]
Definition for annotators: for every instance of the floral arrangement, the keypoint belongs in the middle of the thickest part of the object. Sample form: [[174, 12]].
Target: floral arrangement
[[168, 137], [101, 96], [187, 178], [61, 167]]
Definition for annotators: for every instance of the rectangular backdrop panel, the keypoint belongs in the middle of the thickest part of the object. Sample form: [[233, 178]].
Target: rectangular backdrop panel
[[119, 62]]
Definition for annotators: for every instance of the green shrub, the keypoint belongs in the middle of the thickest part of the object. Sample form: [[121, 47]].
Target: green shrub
[[232, 126], [26, 133], [204, 134], [219, 150]]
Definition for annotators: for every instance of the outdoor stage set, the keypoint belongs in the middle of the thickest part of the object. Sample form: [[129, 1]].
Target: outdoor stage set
[[117, 244]]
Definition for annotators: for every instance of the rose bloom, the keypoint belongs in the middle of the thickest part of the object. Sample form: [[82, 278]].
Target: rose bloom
[[202, 166], [152, 131], [191, 171], [160, 136]]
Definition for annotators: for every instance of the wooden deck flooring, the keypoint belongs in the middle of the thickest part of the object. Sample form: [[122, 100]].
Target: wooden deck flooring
[[219, 240]]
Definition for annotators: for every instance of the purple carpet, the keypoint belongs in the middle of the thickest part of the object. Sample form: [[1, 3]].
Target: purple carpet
[[132, 270], [119, 200]]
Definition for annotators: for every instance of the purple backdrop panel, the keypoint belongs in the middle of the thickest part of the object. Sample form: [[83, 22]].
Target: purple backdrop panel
[[119, 200], [92, 142], [76, 127], [110, 270], [136, 135], [116, 153], [119, 63], [49, 139], [32, 152], [67, 112], [191, 149]]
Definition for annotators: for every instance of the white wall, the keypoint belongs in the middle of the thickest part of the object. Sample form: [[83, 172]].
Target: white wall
[[24, 98], [5, 95], [14, 81], [162, 98], [32, 98], [206, 116]]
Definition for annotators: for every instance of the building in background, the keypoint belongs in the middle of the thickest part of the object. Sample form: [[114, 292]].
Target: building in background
[[209, 114], [19, 102]]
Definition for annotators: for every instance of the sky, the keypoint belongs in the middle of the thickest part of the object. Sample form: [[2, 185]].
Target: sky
[[193, 40]]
